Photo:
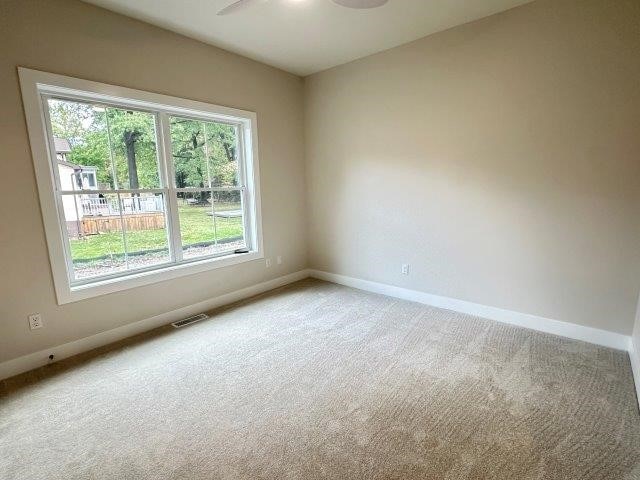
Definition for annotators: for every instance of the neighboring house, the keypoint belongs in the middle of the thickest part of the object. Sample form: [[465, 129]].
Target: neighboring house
[[62, 148], [72, 176], [76, 178]]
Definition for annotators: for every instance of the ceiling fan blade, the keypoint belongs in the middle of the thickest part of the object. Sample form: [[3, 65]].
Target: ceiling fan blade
[[238, 5], [360, 3]]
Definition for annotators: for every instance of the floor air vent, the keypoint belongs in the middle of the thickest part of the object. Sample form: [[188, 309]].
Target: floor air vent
[[190, 320]]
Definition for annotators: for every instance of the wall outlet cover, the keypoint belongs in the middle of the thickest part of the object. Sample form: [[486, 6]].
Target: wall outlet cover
[[35, 321]]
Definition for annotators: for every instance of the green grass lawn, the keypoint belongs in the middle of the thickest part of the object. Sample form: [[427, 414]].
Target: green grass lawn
[[195, 227]]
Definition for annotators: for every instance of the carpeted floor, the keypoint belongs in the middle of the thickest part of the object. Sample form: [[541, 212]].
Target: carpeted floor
[[318, 381]]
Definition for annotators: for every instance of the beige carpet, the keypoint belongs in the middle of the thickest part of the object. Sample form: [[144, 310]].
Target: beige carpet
[[321, 381]]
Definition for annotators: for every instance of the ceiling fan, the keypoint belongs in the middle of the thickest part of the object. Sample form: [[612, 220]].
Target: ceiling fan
[[241, 4]]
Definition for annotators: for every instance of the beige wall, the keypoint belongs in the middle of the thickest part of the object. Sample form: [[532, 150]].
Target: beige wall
[[635, 339], [501, 159], [73, 38]]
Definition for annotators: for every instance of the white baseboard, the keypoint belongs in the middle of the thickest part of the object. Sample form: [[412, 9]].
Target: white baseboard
[[38, 359], [565, 329], [533, 322], [634, 357]]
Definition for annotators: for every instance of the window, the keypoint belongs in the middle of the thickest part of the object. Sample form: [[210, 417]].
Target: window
[[88, 180], [137, 187]]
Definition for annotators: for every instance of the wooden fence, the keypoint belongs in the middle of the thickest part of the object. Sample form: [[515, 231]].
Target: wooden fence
[[113, 223]]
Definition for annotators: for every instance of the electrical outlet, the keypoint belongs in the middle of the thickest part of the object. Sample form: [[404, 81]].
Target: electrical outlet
[[35, 321], [279, 260], [267, 262], [405, 269]]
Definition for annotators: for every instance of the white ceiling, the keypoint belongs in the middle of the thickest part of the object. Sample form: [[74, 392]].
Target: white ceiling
[[306, 36]]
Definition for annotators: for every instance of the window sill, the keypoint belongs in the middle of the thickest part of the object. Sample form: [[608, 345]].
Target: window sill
[[95, 289]]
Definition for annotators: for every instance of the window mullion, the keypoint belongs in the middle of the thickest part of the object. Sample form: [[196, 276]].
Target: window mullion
[[168, 171], [123, 225], [213, 218]]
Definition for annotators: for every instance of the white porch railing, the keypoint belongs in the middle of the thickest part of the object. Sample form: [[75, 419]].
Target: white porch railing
[[100, 206]]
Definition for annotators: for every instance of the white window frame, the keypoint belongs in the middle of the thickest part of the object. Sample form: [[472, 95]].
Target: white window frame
[[37, 86]]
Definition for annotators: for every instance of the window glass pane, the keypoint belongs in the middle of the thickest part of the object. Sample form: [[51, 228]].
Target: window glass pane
[[210, 224], [117, 146], [107, 236], [145, 225], [95, 236], [204, 153], [197, 227], [227, 208]]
